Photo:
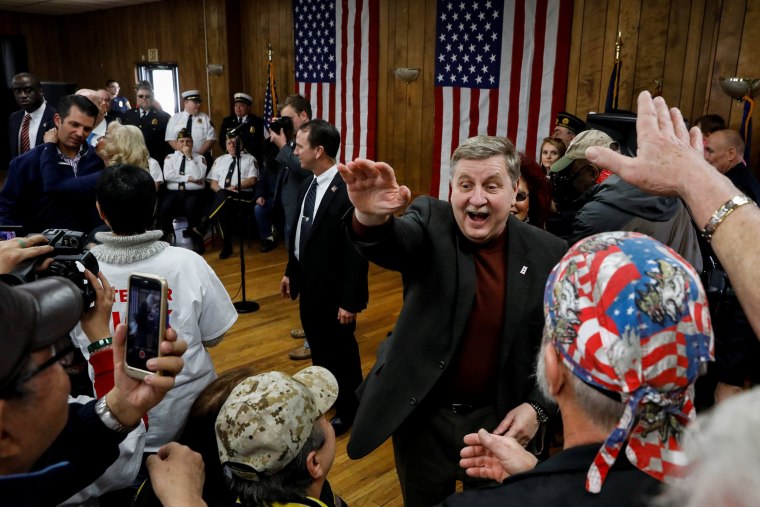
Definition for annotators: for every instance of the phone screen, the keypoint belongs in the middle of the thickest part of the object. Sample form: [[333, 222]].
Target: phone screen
[[144, 321]]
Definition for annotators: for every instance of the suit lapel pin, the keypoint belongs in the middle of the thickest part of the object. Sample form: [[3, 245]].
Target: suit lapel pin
[[334, 188], [524, 270]]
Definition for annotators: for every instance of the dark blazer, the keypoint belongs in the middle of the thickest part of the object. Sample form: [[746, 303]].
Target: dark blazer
[[438, 270], [14, 127], [153, 127], [330, 266]]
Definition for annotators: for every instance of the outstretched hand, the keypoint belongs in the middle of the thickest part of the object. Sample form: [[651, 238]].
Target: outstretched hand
[[373, 190], [496, 457], [668, 156]]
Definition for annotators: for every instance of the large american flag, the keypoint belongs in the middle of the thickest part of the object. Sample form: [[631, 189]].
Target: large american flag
[[500, 69], [336, 44]]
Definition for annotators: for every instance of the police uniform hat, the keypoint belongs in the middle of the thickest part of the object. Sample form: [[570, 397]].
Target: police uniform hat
[[231, 134], [192, 95], [183, 133], [570, 122], [244, 98]]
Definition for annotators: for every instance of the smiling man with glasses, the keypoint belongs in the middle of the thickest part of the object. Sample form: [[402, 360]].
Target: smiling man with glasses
[[151, 122]]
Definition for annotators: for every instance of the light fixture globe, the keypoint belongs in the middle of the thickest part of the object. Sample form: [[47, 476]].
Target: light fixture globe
[[739, 87]]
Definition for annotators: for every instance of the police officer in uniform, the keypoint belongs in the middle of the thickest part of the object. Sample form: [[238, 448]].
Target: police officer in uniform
[[151, 121], [252, 135], [185, 176], [198, 123]]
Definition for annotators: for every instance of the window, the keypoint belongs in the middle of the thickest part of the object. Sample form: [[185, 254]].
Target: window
[[164, 77]]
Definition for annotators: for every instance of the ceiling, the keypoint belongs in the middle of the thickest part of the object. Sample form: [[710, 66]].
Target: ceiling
[[61, 7]]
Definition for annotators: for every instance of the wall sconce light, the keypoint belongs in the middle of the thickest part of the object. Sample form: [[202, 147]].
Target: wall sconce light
[[406, 74], [739, 87], [214, 69]]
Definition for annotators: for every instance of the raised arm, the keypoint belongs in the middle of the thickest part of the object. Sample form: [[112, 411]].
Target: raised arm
[[670, 162], [373, 190]]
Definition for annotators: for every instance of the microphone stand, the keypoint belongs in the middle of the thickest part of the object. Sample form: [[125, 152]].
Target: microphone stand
[[242, 306]]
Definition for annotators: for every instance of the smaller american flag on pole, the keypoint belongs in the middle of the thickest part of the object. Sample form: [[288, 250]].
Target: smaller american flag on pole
[[270, 97]]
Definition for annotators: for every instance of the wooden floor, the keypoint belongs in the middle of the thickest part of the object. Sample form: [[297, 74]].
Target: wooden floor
[[262, 339]]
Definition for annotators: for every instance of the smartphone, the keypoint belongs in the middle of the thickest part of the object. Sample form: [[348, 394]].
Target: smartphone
[[146, 321]]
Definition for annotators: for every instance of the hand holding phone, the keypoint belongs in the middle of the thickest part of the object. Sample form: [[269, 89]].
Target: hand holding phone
[[146, 322]]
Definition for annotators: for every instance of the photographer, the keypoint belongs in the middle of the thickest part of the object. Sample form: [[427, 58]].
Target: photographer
[[50, 449], [295, 112], [15, 251]]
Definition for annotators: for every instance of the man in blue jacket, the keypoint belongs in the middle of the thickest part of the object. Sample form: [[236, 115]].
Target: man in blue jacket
[[53, 185]]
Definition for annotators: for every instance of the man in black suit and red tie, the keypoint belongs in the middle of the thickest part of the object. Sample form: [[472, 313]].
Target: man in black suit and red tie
[[28, 125], [325, 270]]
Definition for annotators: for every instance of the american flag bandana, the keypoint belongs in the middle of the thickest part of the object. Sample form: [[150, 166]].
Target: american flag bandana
[[628, 315]]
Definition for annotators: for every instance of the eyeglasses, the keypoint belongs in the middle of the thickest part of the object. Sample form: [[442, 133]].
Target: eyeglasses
[[144, 96], [521, 195], [62, 352]]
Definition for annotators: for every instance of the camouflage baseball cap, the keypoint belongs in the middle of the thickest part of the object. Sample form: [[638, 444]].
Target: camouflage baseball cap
[[268, 418]]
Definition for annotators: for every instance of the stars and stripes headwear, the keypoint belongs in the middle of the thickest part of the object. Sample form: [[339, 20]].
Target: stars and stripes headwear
[[630, 318]]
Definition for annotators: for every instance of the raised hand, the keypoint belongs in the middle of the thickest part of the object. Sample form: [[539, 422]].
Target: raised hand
[[373, 190]]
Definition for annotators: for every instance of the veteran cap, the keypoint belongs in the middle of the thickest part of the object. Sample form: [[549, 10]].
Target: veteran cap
[[192, 95], [244, 98], [570, 121], [268, 418], [183, 134], [577, 148]]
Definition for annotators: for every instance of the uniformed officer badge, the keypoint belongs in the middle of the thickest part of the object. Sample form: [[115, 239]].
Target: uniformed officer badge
[[565, 121], [199, 120], [334, 188], [252, 130], [154, 122]]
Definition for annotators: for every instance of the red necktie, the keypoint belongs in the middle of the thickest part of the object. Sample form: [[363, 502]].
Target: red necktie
[[25, 145]]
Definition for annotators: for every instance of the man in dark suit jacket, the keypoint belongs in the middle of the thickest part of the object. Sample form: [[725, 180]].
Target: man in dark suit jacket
[[28, 94], [462, 352], [150, 121], [325, 270], [252, 135]]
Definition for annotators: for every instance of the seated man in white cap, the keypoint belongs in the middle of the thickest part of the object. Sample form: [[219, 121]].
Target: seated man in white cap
[[251, 129], [627, 334], [275, 444], [192, 119]]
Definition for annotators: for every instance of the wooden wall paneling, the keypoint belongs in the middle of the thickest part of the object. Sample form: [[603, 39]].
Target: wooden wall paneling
[[234, 43], [749, 66], [254, 36], [710, 29], [608, 52], [220, 102], [391, 123], [592, 53], [675, 52], [688, 95], [384, 80], [726, 51], [571, 100], [284, 37], [428, 101], [415, 58], [653, 33], [43, 44], [628, 24]]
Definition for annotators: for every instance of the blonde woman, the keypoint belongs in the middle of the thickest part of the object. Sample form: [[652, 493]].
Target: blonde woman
[[124, 144]]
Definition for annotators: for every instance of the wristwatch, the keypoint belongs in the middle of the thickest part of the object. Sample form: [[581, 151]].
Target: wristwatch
[[110, 421], [541, 415]]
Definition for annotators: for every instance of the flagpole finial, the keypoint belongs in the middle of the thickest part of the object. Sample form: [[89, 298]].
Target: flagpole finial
[[269, 52], [618, 45]]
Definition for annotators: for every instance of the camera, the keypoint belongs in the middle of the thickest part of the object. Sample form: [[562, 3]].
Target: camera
[[282, 124], [70, 259]]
